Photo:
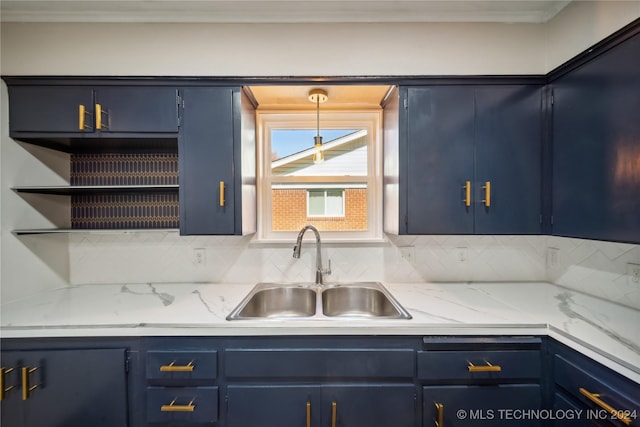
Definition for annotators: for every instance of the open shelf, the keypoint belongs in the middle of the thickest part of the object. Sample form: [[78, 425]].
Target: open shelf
[[93, 189], [24, 232]]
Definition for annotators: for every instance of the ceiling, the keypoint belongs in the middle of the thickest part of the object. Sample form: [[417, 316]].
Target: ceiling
[[359, 97], [282, 11]]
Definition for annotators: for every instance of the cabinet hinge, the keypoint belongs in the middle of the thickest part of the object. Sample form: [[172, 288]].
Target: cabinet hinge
[[551, 219], [126, 365], [406, 104], [552, 99], [540, 218], [180, 109]]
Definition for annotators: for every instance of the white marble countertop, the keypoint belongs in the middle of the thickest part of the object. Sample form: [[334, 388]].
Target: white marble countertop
[[607, 332]]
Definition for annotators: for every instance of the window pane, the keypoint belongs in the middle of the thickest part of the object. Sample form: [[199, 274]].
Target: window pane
[[346, 207], [334, 203], [316, 202], [345, 153]]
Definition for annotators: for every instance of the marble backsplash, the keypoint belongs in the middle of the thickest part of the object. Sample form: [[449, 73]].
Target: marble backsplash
[[594, 267]]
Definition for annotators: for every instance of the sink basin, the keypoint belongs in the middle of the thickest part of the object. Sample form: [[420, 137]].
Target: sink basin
[[361, 301], [273, 301], [311, 301]]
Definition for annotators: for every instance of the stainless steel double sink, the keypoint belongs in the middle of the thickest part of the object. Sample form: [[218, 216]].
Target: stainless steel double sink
[[310, 301]]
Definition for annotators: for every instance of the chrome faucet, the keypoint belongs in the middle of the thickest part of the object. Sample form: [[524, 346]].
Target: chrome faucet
[[320, 272]]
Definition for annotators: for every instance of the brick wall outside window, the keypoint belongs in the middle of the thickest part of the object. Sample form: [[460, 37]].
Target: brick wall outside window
[[289, 211]]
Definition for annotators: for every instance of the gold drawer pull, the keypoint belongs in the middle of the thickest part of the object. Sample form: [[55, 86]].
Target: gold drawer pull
[[439, 422], [308, 414], [172, 367], [484, 368], [595, 398], [222, 193], [3, 388], [172, 407], [26, 387]]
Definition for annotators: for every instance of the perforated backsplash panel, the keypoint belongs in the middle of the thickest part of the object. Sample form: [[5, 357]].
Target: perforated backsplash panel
[[125, 210]]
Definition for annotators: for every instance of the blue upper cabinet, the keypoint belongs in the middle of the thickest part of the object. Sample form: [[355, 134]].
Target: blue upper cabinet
[[88, 111], [596, 147], [140, 109], [472, 157], [216, 148], [50, 109]]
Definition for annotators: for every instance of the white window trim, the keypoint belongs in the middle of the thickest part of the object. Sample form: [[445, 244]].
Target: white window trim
[[325, 215], [371, 120]]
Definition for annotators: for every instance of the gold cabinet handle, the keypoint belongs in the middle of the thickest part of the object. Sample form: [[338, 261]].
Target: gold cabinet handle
[[439, 422], [467, 193], [334, 414], [487, 193], [221, 193], [98, 117], [3, 388], [308, 414], [100, 125], [172, 407], [595, 398], [172, 367], [27, 388], [484, 368], [82, 114]]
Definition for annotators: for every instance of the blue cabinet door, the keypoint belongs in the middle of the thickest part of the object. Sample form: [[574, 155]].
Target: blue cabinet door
[[206, 161], [508, 157], [71, 388], [366, 405], [473, 160], [273, 406], [596, 147], [439, 159], [361, 405], [495, 405], [138, 109], [50, 109]]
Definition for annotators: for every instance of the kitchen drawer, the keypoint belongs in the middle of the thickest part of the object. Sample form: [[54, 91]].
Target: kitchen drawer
[[589, 389], [320, 363], [497, 405], [182, 404], [503, 365], [182, 365]]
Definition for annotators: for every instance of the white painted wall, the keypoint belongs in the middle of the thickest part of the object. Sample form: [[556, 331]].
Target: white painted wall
[[582, 24], [29, 264], [271, 49]]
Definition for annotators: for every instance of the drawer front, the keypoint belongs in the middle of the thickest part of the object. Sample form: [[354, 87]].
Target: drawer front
[[182, 365], [568, 414], [320, 363], [499, 405], [596, 393], [479, 365], [183, 404]]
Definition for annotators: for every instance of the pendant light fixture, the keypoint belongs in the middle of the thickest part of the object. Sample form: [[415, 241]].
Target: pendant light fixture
[[318, 96]]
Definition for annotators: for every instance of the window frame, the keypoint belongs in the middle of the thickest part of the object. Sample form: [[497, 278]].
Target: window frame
[[371, 120]]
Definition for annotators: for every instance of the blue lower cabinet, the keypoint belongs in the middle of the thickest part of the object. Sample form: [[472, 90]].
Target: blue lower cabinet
[[185, 405], [359, 405], [64, 388], [495, 405], [365, 405], [273, 406]]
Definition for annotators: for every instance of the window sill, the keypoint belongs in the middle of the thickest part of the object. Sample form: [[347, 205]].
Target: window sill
[[329, 242]]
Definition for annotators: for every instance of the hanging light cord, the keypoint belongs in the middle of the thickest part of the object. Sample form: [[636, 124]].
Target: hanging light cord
[[318, 115]]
